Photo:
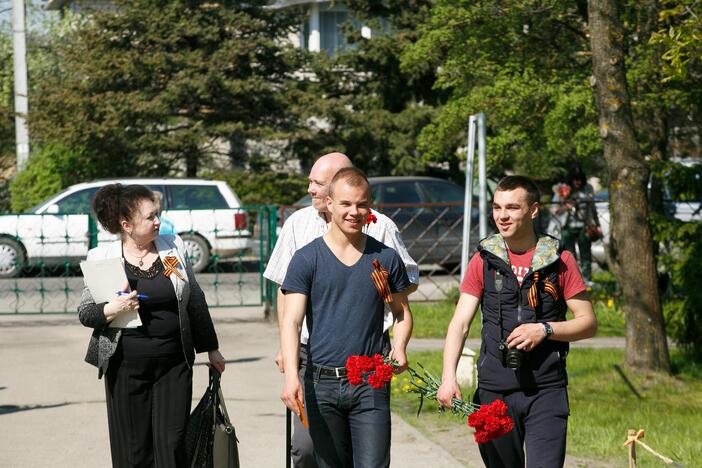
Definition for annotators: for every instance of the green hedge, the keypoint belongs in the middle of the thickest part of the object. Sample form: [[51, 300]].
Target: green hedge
[[49, 170], [266, 188]]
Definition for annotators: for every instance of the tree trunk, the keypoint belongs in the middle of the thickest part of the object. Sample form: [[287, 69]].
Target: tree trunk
[[631, 245], [192, 160]]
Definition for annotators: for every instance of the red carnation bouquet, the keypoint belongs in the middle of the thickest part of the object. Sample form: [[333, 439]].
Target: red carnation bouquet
[[375, 370], [489, 421]]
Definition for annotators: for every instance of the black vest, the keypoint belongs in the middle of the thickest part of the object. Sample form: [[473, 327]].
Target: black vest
[[545, 365]]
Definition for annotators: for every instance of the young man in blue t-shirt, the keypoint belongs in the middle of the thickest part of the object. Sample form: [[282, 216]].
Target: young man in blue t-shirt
[[329, 281]]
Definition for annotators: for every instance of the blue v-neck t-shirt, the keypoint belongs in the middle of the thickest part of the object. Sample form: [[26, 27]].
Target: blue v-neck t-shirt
[[344, 309]]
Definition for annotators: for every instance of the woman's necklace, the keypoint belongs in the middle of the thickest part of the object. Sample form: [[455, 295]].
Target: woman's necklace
[[141, 259]]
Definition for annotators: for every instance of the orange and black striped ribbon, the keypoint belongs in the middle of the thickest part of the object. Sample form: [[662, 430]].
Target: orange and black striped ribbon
[[171, 264], [534, 291], [549, 287], [379, 275]]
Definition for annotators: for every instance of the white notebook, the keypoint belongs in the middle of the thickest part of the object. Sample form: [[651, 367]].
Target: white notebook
[[104, 278]]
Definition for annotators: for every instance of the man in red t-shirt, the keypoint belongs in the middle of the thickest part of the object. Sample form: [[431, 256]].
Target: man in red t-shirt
[[524, 285]]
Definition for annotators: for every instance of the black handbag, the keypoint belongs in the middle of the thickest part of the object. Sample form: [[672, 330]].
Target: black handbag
[[210, 436]]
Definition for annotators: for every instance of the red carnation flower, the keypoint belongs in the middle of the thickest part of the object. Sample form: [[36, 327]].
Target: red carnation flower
[[371, 218], [353, 371], [490, 421], [375, 368]]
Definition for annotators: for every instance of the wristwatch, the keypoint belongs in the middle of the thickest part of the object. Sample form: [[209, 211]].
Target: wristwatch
[[547, 329]]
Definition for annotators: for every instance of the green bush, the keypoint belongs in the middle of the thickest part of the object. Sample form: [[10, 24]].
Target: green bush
[[266, 188], [679, 260], [50, 169]]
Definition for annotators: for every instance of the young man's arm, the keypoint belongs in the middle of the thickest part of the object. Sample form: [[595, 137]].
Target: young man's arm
[[402, 330], [582, 325], [455, 338], [290, 345]]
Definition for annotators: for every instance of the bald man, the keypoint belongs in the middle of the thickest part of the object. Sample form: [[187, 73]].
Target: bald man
[[301, 228]]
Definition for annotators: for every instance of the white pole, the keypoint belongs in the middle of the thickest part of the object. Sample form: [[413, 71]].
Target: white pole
[[468, 201], [482, 176], [21, 102], [314, 43]]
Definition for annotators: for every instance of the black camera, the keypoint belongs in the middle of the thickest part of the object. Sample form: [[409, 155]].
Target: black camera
[[512, 358]]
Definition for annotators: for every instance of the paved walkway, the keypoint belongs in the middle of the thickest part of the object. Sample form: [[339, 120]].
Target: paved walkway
[[52, 407]]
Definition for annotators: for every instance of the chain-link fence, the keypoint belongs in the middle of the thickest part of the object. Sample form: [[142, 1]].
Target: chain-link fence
[[433, 235], [40, 256]]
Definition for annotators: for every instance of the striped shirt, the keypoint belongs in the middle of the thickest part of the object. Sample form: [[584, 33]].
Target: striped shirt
[[307, 224]]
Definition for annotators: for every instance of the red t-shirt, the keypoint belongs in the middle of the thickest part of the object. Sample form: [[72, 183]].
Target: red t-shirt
[[570, 280]]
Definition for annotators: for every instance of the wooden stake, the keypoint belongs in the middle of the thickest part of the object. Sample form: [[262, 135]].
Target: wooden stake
[[631, 433]]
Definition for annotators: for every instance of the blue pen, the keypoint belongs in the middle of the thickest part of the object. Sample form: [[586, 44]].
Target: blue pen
[[143, 297]]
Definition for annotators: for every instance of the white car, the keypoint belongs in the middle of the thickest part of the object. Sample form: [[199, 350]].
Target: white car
[[207, 215]]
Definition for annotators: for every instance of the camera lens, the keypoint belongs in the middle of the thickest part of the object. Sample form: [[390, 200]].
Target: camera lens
[[513, 358]]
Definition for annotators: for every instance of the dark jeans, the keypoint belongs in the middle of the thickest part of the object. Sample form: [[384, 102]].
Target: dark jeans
[[572, 236], [349, 425], [540, 426], [302, 450]]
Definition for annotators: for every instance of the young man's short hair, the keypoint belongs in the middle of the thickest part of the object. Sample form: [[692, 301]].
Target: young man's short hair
[[513, 182], [352, 176]]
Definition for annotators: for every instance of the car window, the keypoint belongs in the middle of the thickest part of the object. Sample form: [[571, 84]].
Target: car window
[[77, 202], [164, 197], [442, 192], [375, 193], [196, 197], [400, 192]]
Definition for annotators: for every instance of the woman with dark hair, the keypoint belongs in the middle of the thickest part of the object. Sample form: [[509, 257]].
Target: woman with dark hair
[[148, 369]]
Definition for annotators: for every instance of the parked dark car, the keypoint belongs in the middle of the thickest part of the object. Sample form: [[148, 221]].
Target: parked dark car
[[429, 214]]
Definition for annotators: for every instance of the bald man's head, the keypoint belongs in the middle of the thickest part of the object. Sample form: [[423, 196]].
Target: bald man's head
[[321, 175]]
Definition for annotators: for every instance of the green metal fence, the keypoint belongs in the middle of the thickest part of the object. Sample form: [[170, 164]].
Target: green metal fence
[[40, 254]]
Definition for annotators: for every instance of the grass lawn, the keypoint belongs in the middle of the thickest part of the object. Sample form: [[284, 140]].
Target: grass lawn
[[604, 404], [432, 319]]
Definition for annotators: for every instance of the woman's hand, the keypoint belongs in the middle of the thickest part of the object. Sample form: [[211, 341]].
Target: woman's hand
[[121, 304], [216, 360]]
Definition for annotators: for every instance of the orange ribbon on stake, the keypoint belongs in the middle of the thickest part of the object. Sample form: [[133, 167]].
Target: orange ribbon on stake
[[171, 263], [379, 275]]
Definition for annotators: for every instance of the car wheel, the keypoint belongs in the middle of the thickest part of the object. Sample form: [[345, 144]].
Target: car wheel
[[197, 250], [11, 258]]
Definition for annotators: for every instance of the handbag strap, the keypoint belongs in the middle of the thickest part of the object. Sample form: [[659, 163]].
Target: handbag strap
[[223, 406]]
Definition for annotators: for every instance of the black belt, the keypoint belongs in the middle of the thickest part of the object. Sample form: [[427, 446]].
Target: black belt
[[337, 372]]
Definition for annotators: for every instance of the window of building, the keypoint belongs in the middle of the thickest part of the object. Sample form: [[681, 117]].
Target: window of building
[[331, 34]]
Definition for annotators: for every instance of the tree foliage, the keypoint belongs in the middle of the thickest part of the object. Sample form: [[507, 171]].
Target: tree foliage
[[49, 170], [526, 65], [7, 118], [681, 36], [157, 86], [365, 105]]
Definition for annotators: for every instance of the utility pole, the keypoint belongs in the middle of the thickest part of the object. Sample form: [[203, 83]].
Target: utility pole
[[19, 42]]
